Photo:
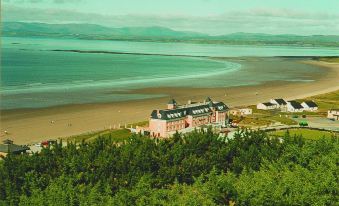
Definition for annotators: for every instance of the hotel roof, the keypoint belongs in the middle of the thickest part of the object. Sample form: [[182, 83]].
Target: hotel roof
[[182, 111]]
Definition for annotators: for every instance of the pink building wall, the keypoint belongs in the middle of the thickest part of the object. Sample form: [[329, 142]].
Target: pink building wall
[[157, 127], [164, 127]]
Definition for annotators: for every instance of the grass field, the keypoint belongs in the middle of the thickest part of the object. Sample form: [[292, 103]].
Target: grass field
[[306, 133], [266, 117], [325, 101], [117, 134]]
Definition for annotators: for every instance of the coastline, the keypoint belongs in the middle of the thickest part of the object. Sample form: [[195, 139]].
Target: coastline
[[33, 125]]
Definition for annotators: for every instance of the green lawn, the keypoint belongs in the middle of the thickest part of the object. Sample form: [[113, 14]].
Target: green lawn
[[265, 117], [306, 133], [117, 134], [282, 119]]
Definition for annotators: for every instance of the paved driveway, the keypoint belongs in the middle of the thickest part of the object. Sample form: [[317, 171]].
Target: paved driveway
[[321, 122]]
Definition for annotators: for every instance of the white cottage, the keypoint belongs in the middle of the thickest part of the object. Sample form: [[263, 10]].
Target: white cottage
[[245, 111], [266, 106], [333, 114], [309, 106], [294, 106]]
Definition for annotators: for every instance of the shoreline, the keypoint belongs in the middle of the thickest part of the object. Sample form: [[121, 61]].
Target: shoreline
[[33, 125]]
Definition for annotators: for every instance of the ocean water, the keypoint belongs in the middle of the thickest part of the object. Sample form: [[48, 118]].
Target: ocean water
[[33, 76]]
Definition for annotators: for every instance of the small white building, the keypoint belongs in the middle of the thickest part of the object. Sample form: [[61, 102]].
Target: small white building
[[281, 104], [240, 112], [333, 114], [266, 106], [294, 106], [245, 111], [309, 106]]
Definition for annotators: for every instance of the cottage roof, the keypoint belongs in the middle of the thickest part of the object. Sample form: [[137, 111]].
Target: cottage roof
[[296, 105], [267, 104], [311, 104], [280, 101]]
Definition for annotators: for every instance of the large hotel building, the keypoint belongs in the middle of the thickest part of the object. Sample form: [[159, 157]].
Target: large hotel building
[[164, 123]]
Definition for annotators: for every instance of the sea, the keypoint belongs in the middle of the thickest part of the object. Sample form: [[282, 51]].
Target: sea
[[45, 72]]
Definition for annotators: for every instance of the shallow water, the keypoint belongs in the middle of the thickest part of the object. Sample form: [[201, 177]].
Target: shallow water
[[33, 76]]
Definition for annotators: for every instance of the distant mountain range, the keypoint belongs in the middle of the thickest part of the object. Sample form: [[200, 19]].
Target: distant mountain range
[[162, 34], [92, 29]]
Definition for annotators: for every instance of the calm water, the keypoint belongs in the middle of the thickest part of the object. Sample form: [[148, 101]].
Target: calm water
[[32, 76]]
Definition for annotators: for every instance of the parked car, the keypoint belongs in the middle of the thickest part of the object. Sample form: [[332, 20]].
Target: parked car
[[303, 124]]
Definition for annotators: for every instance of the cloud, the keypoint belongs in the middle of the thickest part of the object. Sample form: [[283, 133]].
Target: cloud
[[259, 20]]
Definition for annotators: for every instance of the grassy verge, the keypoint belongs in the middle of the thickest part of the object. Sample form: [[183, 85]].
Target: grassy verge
[[117, 134], [329, 59]]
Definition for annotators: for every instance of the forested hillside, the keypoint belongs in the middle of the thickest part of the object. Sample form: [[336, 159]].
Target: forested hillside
[[195, 169]]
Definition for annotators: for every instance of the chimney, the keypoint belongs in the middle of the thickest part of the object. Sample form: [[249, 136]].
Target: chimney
[[172, 104], [189, 102]]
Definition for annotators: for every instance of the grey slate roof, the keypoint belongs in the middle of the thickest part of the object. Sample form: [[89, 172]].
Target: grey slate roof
[[268, 104], [219, 106], [281, 101], [296, 105], [311, 104], [194, 110], [169, 114], [199, 110]]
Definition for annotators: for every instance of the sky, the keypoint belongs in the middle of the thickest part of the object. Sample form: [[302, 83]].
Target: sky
[[214, 17]]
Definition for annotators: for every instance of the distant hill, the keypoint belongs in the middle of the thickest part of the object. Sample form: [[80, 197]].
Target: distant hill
[[91, 29], [162, 34]]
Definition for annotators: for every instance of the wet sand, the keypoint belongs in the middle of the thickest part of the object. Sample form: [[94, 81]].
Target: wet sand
[[33, 125]]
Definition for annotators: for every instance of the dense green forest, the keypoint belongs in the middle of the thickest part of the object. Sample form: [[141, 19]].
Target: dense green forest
[[199, 168]]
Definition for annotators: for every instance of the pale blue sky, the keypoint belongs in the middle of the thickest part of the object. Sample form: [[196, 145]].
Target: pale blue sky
[[208, 16]]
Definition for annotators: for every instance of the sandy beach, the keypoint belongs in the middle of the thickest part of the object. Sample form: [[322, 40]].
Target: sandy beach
[[32, 125]]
